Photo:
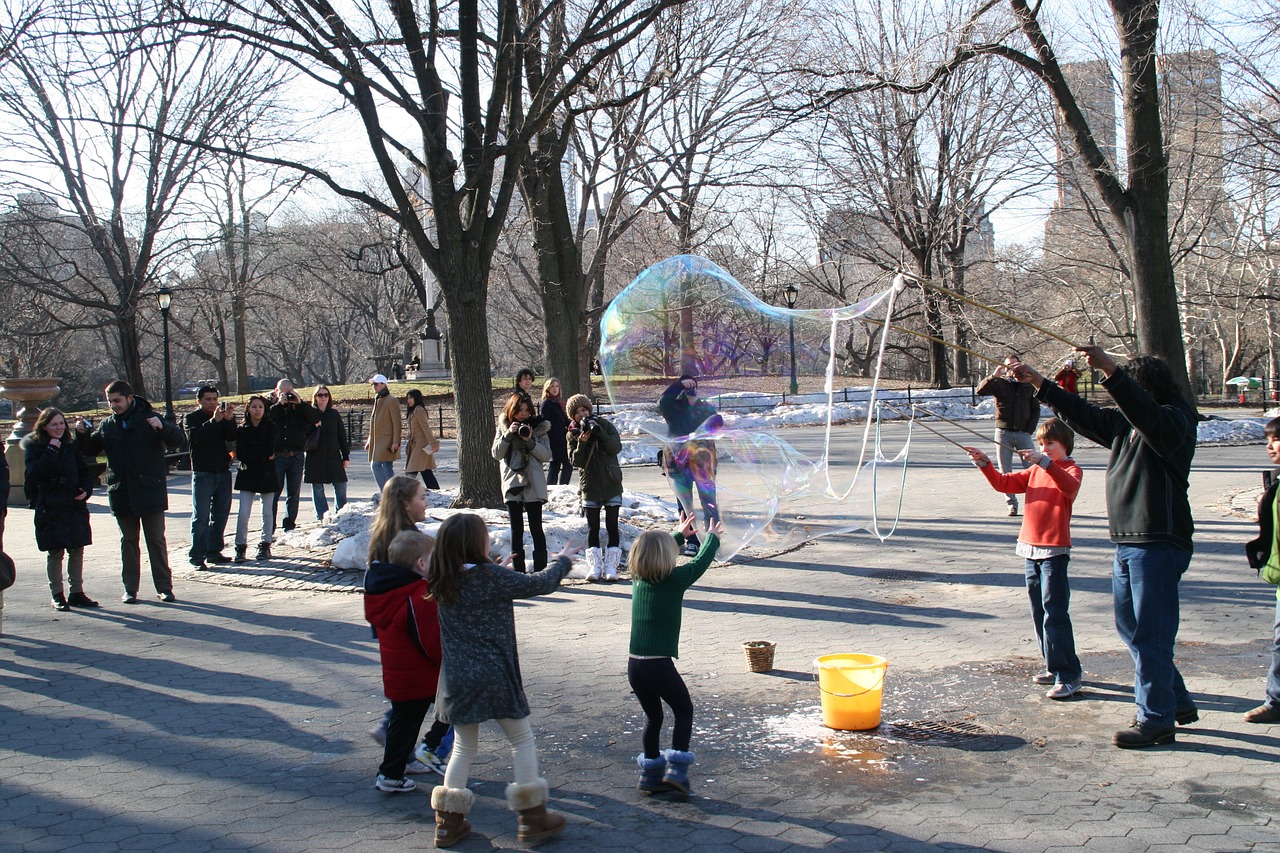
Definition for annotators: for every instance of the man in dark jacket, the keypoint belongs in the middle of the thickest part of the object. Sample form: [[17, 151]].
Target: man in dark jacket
[[1017, 413], [210, 429], [1152, 436], [134, 439], [293, 419], [690, 463]]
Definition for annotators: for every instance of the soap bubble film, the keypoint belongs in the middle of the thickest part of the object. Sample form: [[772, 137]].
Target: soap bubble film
[[688, 317]]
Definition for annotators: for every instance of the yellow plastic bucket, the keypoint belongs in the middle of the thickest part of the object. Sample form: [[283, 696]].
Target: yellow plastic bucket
[[852, 688]]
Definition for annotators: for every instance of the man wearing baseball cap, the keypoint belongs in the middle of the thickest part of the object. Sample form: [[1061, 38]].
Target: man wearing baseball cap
[[383, 442]]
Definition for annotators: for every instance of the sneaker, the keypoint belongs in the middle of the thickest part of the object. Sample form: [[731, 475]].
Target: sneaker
[[1063, 690], [416, 768], [1013, 511], [378, 731], [79, 599], [433, 762], [1141, 735], [691, 547], [1187, 716], [59, 602], [394, 786], [1263, 714], [1045, 677], [129, 598], [217, 557], [167, 596], [264, 551]]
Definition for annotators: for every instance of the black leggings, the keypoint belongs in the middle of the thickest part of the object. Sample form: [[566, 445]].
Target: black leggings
[[515, 513], [654, 681], [558, 473], [429, 479], [610, 525]]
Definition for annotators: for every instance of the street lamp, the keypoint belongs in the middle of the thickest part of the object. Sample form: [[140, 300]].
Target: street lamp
[[792, 293], [164, 296]]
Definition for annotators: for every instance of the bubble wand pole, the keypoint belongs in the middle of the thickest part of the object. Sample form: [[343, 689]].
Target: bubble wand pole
[[956, 424], [976, 304], [928, 337], [940, 435]]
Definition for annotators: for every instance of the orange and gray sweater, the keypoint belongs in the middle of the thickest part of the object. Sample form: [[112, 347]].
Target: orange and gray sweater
[[1046, 522]]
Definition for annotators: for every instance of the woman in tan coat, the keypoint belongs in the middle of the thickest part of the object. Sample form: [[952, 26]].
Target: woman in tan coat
[[420, 457]]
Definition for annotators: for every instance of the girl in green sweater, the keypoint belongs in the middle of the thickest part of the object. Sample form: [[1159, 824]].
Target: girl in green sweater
[[657, 595]]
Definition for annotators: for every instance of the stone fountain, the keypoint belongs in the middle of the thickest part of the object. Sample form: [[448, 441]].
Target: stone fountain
[[29, 393]]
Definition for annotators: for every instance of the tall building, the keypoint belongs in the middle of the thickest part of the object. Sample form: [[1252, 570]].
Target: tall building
[[1092, 86]]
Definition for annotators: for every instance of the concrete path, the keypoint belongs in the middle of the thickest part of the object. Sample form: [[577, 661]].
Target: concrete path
[[236, 718]]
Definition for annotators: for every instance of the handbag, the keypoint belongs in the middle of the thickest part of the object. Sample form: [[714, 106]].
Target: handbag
[[312, 441], [8, 571]]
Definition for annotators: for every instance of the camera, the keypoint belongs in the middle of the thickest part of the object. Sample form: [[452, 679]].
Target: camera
[[222, 406], [524, 431], [85, 423], [291, 397], [590, 425]]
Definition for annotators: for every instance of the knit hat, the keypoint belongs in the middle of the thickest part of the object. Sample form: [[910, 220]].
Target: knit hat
[[577, 401]]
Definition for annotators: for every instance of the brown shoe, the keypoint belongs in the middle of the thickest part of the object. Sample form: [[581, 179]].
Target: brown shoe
[[1263, 714], [536, 824], [451, 805]]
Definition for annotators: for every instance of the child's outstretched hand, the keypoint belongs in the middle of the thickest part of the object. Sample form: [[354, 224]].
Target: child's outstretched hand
[[717, 527], [1031, 457], [687, 525], [978, 456], [571, 549]]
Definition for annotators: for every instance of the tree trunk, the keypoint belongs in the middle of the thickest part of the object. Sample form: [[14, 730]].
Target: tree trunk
[[130, 355], [241, 341]]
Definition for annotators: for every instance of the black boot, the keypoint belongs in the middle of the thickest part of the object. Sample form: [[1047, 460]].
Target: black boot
[[240, 553], [539, 559], [264, 551], [517, 561]]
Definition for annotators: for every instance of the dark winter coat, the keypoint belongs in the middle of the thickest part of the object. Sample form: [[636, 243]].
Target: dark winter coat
[[682, 416], [600, 479], [293, 423], [255, 445], [1152, 446], [137, 471], [408, 628], [1017, 408], [552, 412], [209, 441], [324, 464], [55, 475], [481, 678]]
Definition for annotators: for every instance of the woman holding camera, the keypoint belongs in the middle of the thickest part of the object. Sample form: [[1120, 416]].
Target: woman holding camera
[[420, 453], [327, 461], [594, 445], [553, 412], [521, 447], [58, 485], [255, 453]]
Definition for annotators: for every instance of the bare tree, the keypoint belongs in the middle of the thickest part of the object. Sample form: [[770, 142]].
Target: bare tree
[[451, 77], [95, 101]]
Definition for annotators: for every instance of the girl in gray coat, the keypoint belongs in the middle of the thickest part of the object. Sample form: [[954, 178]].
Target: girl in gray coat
[[480, 678], [522, 447]]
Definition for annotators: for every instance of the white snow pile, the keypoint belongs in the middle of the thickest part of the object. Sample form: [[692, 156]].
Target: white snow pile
[[349, 527]]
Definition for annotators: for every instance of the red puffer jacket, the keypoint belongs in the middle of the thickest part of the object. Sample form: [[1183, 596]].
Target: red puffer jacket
[[408, 629]]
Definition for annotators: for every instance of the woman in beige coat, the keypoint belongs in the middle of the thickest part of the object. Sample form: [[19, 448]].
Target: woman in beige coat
[[420, 457]]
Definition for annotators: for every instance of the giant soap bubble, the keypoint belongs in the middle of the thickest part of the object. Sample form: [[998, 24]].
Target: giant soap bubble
[[720, 458]]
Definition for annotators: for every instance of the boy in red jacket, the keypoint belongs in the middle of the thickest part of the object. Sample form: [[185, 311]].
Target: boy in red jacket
[[1051, 485], [396, 604]]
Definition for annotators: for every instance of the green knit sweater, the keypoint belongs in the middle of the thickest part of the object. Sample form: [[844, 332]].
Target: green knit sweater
[[656, 606]]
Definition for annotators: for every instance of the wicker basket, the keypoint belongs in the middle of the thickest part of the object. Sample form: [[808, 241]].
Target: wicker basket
[[759, 655]]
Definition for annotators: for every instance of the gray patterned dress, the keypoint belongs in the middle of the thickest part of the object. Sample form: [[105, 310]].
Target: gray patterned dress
[[480, 679]]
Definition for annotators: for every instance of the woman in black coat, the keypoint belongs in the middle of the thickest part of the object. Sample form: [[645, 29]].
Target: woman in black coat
[[552, 411], [58, 485], [256, 453], [327, 462]]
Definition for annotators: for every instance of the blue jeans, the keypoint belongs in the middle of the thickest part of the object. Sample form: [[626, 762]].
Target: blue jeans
[[1050, 595], [1273, 675], [1144, 589], [210, 509], [322, 503], [382, 471], [289, 475]]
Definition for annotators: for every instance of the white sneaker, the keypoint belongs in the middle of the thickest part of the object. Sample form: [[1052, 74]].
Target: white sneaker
[[1063, 690], [394, 786], [417, 768]]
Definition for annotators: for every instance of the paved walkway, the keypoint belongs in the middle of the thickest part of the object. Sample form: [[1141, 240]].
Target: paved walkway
[[235, 719]]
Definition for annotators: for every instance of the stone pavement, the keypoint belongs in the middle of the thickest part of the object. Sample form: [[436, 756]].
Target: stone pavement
[[236, 719]]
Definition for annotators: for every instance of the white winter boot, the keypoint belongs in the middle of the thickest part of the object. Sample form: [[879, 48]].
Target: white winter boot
[[612, 559], [595, 564]]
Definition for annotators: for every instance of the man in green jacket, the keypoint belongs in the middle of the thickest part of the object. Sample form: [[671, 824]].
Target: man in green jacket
[[135, 438]]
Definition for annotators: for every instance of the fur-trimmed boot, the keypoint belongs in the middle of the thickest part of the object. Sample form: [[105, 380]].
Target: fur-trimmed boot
[[595, 564], [677, 775], [536, 823], [452, 806], [651, 771], [539, 559], [612, 559]]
